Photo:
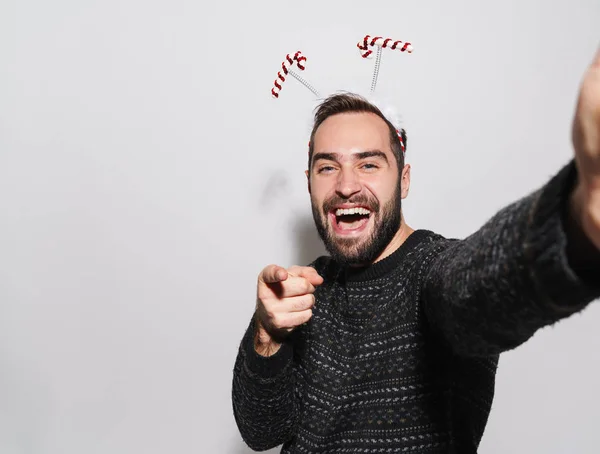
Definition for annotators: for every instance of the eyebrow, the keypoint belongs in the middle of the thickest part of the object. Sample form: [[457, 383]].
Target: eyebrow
[[356, 156], [371, 154]]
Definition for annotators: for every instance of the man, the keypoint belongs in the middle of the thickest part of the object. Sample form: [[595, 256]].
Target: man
[[391, 344]]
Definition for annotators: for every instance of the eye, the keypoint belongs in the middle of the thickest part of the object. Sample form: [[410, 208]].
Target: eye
[[325, 169], [370, 166]]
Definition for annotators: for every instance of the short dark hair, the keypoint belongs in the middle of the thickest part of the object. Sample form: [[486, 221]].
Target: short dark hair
[[351, 102]]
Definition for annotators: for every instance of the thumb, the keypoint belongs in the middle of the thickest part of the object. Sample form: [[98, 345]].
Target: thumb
[[308, 273]]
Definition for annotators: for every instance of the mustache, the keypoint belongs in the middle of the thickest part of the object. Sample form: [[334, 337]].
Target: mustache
[[370, 203]]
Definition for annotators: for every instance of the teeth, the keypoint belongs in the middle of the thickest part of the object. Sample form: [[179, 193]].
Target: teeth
[[358, 210]]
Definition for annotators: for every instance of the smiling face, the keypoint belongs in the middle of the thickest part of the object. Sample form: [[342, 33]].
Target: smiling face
[[356, 187]]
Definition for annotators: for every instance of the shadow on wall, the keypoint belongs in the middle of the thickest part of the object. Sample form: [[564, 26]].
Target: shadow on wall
[[275, 193], [275, 190]]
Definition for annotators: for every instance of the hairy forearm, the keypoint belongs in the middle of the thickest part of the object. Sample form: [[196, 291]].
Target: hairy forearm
[[264, 344]]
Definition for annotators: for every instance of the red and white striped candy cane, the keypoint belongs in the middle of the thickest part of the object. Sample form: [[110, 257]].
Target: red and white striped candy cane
[[299, 59], [369, 42], [399, 133]]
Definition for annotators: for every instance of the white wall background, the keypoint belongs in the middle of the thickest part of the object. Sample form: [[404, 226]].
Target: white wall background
[[146, 176]]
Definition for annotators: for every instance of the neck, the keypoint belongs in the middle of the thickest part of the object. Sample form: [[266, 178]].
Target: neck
[[389, 259], [401, 235], [399, 238]]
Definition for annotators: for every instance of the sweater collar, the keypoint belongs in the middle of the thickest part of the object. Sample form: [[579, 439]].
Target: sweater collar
[[383, 267]]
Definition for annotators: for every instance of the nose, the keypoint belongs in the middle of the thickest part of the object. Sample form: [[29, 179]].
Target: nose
[[348, 183]]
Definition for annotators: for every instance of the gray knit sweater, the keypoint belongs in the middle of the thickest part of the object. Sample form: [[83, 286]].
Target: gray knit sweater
[[401, 356]]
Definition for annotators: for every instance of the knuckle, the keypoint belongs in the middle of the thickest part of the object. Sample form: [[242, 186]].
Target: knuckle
[[296, 305], [301, 304], [277, 323], [308, 315], [303, 317], [263, 299], [305, 286], [270, 314], [260, 304], [261, 293], [288, 322]]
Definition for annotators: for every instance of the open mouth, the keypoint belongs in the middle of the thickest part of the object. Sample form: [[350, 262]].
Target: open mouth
[[350, 220]]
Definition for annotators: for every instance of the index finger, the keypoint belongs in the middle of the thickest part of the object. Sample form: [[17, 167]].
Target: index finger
[[273, 274], [308, 273]]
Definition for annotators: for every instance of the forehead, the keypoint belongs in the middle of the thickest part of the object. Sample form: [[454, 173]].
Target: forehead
[[347, 132]]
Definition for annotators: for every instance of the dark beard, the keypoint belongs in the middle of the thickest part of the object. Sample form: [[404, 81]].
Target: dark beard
[[350, 252]]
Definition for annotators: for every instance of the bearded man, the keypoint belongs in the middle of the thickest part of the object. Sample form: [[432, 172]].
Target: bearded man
[[391, 343]]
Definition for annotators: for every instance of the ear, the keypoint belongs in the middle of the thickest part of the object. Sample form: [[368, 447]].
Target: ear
[[307, 180], [405, 183]]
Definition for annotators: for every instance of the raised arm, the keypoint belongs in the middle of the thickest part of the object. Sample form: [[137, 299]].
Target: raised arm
[[263, 400], [263, 391], [536, 262]]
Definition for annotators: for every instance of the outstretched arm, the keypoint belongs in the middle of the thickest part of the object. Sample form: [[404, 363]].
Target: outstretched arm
[[537, 261]]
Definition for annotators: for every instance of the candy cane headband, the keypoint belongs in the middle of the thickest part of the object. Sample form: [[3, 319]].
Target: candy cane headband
[[365, 46], [299, 60], [366, 50]]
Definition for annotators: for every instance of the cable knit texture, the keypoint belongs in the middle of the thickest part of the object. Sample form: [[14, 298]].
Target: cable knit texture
[[401, 356]]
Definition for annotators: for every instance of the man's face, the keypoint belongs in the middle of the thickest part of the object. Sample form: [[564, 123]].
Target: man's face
[[355, 187]]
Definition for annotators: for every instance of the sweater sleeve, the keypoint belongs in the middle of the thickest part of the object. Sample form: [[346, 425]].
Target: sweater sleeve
[[526, 268], [263, 394]]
